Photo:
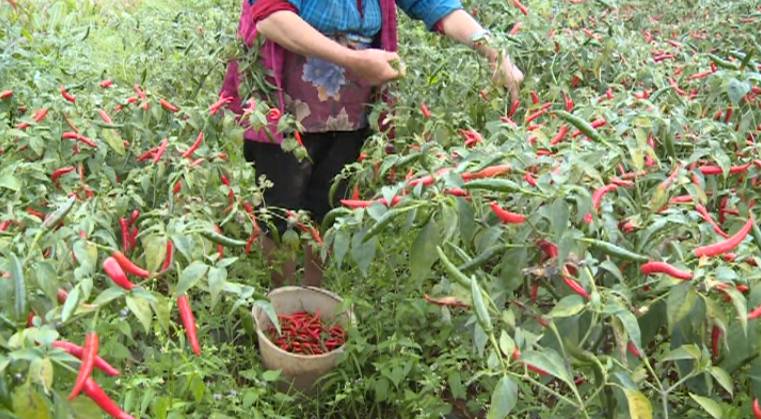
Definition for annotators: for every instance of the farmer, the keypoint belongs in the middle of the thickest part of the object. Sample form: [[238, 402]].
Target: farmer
[[327, 59]]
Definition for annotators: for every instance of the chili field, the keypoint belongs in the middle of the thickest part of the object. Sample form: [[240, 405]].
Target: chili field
[[589, 250]]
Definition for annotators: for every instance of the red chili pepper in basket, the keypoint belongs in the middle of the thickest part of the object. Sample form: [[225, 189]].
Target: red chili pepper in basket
[[197, 143], [189, 322], [128, 266], [89, 352], [68, 96], [654, 267], [505, 216], [115, 272], [96, 393], [168, 106], [728, 244]]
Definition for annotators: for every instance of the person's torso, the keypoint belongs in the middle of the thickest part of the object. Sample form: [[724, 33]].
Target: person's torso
[[334, 17]]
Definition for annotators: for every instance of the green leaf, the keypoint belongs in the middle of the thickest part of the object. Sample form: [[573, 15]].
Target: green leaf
[[549, 361], [423, 252], [363, 252], [269, 310], [631, 326], [190, 277], [722, 378], [29, 404], [478, 302], [639, 405], [271, 375], [41, 372], [19, 287], [114, 141], [690, 351], [340, 246], [217, 278], [680, 302], [141, 308], [506, 344], [736, 89], [503, 398], [568, 306], [108, 295], [712, 407], [70, 304], [155, 252], [163, 309], [8, 181]]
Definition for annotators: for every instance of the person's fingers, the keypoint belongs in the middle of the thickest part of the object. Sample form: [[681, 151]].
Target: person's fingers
[[392, 56]]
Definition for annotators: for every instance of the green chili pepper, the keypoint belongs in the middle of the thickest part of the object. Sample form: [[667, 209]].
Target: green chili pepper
[[479, 260], [454, 273], [58, 215], [582, 126], [720, 62], [223, 240], [613, 250], [496, 185]]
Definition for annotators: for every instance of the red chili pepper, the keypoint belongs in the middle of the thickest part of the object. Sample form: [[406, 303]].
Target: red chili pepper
[[535, 115], [160, 150], [709, 170], [653, 267], [715, 340], [274, 115], [568, 103], [89, 352], [755, 313], [600, 192], [728, 115], [471, 137], [726, 245], [488, 172], [139, 91], [115, 272], [507, 217], [40, 115], [104, 116], [536, 369], [560, 135], [177, 187], [707, 218], [128, 266], [220, 247], [189, 322], [632, 348], [197, 143], [756, 409], [62, 295], [68, 96], [60, 172], [106, 84], [520, 7], [459, 192], [425, 111], [6, 94], [169, 256], [575, 286], [216, 106], [516, 28], [529, 178], [534, 96], [514, 108], [124, 227], [77, 351], [94, 392], [35, 213], [168, 106]]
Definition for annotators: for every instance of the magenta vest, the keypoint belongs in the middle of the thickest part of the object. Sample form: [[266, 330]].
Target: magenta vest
[[273, 56]]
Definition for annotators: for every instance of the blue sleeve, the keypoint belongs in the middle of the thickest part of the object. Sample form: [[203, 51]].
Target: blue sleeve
[[429, 11]]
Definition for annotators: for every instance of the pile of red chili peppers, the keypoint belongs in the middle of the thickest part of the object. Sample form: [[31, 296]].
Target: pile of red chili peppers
[[306, 334]]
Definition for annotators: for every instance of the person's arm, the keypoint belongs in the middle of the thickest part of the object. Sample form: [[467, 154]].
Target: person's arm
[[291, 32], [461, 27]]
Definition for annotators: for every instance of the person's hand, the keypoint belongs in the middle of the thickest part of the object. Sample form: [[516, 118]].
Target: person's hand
[[373, 66], [507, 74]]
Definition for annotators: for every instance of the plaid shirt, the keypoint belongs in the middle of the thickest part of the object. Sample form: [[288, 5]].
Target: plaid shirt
[[332, 17]]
